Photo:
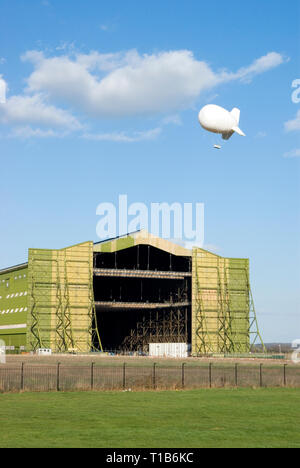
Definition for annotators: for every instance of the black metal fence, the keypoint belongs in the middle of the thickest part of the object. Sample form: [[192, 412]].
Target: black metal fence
[[61, 377]]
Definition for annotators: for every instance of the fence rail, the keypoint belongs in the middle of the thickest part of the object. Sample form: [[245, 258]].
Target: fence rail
[[61, 377]]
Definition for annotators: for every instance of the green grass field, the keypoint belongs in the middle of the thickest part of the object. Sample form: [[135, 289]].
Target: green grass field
[[169, 419]]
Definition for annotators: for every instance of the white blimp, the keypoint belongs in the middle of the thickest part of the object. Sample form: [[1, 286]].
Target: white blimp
[[216, 119]]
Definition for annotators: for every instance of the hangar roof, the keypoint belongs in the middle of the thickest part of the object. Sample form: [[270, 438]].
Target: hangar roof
[[14, 268], [143, 237]]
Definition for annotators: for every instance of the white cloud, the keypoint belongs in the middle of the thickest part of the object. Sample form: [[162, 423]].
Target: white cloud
[[104, 62], [292, 154], [32, 110], [130, 84], [27, 132], [69, 46], [123, 137], [146, 84], [261, 134], [3, 90], [115, 85], [174, 119], [33, 56], [261, 65], [108, 26], [293, 125], [211, 98]]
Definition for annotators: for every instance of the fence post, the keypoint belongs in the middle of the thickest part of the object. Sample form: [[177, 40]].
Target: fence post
[[58, 377], [284, 375], [261, 375], [92, 376], [154, 375], [236, 375], [124, 375], [210, 374], [22, 376], [182, 375]]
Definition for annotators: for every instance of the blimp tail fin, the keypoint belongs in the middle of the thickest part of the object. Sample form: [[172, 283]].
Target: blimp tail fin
[[227, 135], [236, 115], [238, 130]]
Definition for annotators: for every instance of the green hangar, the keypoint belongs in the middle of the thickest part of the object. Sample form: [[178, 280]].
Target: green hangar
[[124, 294]]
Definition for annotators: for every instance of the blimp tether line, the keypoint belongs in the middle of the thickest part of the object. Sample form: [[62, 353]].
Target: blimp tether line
[[216, 119]]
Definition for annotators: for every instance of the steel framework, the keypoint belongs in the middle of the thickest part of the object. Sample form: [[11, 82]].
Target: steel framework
[[167, 323], [158, 326], [223, 318], [61, 299]]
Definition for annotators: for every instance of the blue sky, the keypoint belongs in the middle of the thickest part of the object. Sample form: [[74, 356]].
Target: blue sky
[[102, 100]]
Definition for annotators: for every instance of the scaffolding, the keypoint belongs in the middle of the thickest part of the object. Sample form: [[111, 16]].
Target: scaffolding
[[61, 300], [223, 315], [138, 289], [158, 326], [125, 273]]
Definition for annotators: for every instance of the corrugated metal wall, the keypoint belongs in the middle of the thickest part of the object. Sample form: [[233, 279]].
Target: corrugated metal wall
[[53, 299], [220, 304], [61, 298], [14, 306]]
